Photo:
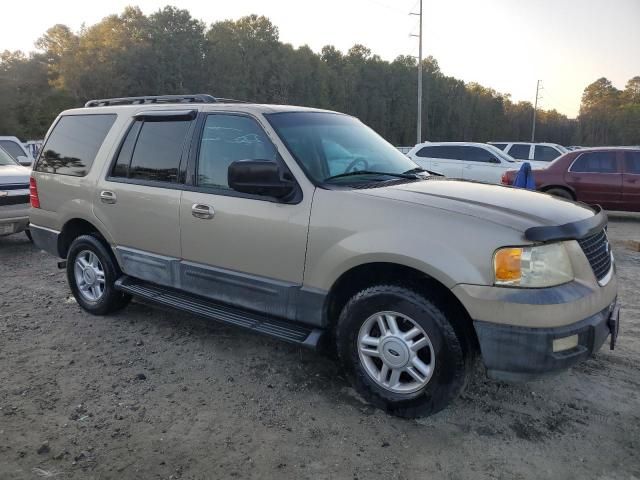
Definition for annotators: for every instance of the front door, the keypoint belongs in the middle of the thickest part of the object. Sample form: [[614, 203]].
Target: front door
[[240, 249], [631, 182], [597, 179]]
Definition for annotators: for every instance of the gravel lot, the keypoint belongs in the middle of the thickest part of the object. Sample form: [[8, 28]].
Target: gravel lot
[[151, 393]]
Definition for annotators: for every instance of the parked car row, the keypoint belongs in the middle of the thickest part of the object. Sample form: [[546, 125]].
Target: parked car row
[[605, 176]]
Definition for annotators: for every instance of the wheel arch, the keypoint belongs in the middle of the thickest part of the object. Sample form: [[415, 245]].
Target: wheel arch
[[567, 188], [72, 229], [365, 275]]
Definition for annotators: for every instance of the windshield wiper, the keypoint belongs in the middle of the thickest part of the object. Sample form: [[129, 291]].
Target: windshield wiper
[[410, 176]]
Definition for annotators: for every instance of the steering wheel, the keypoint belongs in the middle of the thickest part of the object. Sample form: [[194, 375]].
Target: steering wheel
[[352, 165]]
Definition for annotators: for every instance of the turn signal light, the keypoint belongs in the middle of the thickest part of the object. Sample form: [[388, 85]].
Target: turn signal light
[[507, 264]]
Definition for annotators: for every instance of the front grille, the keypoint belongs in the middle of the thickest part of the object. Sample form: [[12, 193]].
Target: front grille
[[598, 252]]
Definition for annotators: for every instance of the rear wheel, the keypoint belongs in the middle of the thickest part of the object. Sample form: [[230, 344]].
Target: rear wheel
[[92, 272], [400, 351], [560, 192]]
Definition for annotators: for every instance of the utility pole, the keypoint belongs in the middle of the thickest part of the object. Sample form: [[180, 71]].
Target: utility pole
[[419, 127], [535, 109]]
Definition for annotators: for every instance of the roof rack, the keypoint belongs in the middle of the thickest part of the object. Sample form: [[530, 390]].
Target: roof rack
[[198, 98]]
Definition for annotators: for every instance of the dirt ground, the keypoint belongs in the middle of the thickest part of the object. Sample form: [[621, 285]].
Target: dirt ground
[[151, 393]]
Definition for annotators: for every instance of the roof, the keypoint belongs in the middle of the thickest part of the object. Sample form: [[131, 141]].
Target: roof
[[255, 108]]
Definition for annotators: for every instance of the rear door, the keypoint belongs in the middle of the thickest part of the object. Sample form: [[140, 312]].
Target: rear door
[[631, 182], [480, 165], [423, 157], [138, 198], [543, 155], [520, 151], [446, 160], [596, 177]]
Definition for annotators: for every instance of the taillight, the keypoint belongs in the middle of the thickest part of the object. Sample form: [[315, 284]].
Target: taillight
[[505, 179], [33, 193]]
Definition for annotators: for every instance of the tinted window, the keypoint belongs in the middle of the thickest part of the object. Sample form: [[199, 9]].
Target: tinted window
[[441, 151], [595, 162], [543, 153], [520, 151], [227, 138], [74, 143], [474, 154], [632, 162], [156, 155], [12, 148], [501, 146], [121, 168]]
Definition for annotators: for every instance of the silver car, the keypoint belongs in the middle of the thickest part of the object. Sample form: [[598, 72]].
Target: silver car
[[14, 195]]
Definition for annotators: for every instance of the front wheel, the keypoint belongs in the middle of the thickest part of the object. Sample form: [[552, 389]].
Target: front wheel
[[92, 272], [400, 351]]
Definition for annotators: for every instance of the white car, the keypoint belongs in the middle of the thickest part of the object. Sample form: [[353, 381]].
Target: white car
[[14, 195], [14, 147], [539, 155], [467, 160]]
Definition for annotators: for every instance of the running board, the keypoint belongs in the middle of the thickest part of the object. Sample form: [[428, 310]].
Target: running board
[[308, 337]]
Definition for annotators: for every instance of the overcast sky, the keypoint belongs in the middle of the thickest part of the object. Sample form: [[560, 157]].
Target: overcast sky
[[503, 44]]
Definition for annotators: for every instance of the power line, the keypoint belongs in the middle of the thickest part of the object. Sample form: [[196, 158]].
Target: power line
[[535, 109]]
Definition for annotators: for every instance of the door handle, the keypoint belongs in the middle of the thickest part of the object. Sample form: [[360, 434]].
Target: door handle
[[108, 197], [200, 210]]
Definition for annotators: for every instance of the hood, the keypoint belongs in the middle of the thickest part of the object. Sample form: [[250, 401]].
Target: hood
[[510, 207], [10, 174]]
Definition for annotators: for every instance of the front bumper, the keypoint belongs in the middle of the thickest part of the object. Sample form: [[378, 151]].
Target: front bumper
[[513, 353]]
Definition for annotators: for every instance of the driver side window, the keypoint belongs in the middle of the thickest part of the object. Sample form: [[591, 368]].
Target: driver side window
[[225, 139]]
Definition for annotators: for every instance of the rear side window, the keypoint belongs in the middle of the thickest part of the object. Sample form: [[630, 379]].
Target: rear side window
[[439, 151], [73, 144], [520, 151], [632, 162], [542, 153], [501, 146], [12, 148], [152, 151], [595, 162], [474, 154]]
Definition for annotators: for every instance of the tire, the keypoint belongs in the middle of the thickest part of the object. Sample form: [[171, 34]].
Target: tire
[[446, 352], [560, 192], [92, 252]]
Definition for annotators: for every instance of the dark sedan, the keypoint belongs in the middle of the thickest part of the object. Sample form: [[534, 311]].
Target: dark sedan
[[609, 177]]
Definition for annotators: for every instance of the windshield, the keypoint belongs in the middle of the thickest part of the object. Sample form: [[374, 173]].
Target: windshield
[[330, 145], [5, 158], [500, 154]]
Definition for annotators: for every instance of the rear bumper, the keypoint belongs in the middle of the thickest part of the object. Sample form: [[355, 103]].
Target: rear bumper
[[45, 239], [513, 353], [13, 225]]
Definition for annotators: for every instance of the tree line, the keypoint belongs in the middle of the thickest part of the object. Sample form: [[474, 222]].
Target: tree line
[[170, 52]]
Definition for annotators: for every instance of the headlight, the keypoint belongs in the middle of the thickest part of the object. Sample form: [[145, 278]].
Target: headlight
[[534, 267]]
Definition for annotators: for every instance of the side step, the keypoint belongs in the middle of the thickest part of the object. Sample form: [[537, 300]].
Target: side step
[[304, 336]]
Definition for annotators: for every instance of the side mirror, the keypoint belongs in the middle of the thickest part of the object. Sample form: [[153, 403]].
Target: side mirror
[[260, 177], [24, 161]]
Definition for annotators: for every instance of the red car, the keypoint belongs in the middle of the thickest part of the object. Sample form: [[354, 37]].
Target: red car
[[609, 177]]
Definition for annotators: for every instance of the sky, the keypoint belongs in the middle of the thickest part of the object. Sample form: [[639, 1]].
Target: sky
[[506, 45]]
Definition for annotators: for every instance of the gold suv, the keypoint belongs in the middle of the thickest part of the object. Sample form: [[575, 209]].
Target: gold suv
[[306, 225]]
